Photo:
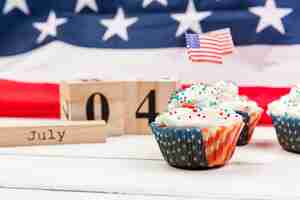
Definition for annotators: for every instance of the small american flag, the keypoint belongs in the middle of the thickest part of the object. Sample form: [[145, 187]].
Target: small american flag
[[203, 48], [226, 41]]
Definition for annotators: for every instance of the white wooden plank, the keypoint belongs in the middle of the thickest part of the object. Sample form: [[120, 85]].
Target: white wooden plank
[[133, 165], [34, 194], [133, 146], [123, 147], [149, 177]]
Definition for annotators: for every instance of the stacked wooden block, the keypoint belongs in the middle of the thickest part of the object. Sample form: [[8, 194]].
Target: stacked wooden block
[[91, 110], [127, 106]]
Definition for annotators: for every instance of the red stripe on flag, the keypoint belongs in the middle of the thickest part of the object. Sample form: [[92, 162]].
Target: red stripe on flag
[[216, 48], [215, 52], [207, 56], [207, 60], [21, 99], [225, 38], [263, 96]]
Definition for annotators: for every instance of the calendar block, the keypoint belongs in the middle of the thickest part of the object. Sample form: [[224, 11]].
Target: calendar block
[[94, 100], [144, 100], [127, 106], [35, 132]]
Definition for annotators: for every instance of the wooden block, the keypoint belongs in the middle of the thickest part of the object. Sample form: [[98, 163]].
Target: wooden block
[[90, 100], [144, 100], [126, 106], [24, 133]]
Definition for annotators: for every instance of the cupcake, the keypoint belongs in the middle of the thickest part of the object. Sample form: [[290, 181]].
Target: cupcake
[[220, 94], [285, 113], [197, 138], [229, 96]]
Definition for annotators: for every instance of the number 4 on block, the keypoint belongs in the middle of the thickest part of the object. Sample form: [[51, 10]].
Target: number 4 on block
[[144, 101], [125, 106]]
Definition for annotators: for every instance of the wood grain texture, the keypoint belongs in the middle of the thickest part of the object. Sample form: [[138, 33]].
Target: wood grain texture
[[35, 132], [76, 95], [38, 194], [136, 93], [132, 165], [123, 97]]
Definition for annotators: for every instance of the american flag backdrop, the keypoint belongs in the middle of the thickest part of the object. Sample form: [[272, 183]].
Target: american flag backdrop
[[53, 40]]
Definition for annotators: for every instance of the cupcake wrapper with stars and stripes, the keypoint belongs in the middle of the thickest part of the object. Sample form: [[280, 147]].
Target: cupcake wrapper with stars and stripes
[[251, 122], [195, 148], [288, 132]]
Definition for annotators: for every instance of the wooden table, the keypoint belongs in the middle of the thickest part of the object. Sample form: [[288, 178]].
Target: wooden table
[[131, 167]]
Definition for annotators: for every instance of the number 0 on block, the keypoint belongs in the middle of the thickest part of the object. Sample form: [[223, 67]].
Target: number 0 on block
[[126, 106]]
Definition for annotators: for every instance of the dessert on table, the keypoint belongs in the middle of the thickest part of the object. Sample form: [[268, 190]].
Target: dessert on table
[[191, 137], [285, 113], [220, 94]]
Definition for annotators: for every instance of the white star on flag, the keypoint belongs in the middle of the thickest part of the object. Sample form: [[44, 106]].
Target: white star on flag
[[12, 4], [270, 15], [190, 19], [118, 25], [146, 3], [49, 27], [86, 3]]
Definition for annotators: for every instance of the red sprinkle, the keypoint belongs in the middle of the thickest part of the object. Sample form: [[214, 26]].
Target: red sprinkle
[[185, 86], [191, 106]]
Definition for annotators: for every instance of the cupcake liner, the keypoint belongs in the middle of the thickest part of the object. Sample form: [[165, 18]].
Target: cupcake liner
[[254, 119], [195, 148], [288, 132], [251, 122], [221, 144]]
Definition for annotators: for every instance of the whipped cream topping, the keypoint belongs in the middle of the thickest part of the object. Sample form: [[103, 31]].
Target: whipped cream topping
[[220, 94], [196, 117], [287, 105], [228, 93], [200, 94]]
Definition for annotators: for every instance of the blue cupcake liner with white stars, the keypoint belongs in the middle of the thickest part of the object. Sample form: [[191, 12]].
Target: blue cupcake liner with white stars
[[288, 132], [181, 147], [244, 137]]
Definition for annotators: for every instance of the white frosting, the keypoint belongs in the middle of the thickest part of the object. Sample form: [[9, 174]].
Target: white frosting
[[229, 97], [204, 118], [200, 94], [242, 104], [288, 105], [220, 94], [227, 90]]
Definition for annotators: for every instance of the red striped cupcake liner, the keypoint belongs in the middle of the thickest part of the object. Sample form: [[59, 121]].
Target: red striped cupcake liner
[[251, 122], [195, 148]]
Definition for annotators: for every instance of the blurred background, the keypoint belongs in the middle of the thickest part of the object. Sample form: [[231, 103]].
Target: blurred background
[[45, 42]]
